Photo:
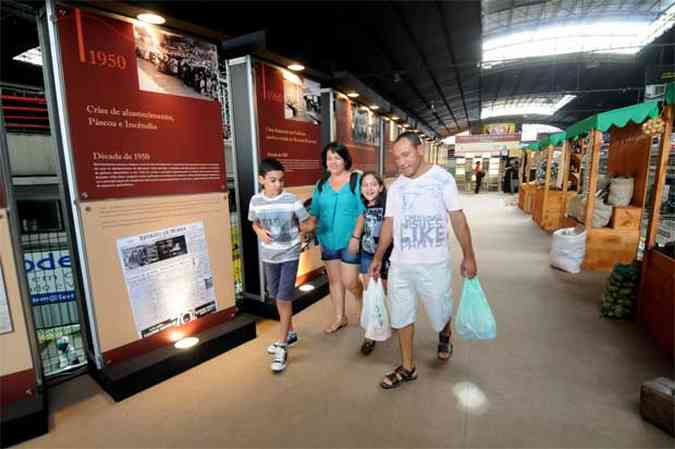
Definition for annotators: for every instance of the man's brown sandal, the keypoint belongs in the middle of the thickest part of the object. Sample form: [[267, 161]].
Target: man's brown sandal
[[367, 346], [445, 348], [397, 377]]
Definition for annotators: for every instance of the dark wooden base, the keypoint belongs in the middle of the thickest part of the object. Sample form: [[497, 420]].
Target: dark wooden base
[[129, 377], [657, 299], [257, 306], [23, 420], [657, 403]]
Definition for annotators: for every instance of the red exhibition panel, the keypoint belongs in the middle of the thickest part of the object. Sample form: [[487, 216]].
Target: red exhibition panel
[[141, 102], [359, 130], [289, 123], [390, 169]]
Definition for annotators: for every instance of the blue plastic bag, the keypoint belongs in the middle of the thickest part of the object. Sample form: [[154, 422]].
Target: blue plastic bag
[[474, 316]]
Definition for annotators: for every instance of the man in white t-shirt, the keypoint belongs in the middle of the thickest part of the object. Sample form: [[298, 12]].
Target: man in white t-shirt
[[421, 204]]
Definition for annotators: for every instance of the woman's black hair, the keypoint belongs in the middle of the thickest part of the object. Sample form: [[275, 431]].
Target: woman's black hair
[[341, 151], [338, 149], [381, 199]]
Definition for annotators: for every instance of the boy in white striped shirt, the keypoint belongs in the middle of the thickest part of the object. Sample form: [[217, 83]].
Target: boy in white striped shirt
[[278, 219]]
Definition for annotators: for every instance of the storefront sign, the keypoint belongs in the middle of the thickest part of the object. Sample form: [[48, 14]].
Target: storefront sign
[[289, 114], [487, 144], [499, 129], [142, 109], [358, 129], [50, 276]]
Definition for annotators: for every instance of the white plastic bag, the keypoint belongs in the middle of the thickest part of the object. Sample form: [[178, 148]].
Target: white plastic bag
[[568, 249], [374, 314], [621, 191], [602, 213]]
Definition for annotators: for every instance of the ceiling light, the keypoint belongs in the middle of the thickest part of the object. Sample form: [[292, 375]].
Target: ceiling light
[[395, 117], [297, 67], [353, 94], [32, 56], [306, 288], [374, 107], [151, 18], [185, 343]]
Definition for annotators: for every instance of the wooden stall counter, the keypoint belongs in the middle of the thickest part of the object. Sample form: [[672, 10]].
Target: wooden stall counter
[[606, 247], [657, 299], [526, 197], [549, 209]]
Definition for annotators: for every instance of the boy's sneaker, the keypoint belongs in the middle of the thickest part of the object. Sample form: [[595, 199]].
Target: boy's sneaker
[[279, 361], [291, 340]]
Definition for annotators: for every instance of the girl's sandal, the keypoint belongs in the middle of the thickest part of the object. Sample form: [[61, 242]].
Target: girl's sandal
[[336, 327], [445, 348], [397, 377]]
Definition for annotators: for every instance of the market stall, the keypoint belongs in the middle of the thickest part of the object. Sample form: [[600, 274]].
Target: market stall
[[611, 207], [551, 194], [657, 287]]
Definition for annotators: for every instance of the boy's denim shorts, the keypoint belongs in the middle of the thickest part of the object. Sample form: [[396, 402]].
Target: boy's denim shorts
[[280, 279]]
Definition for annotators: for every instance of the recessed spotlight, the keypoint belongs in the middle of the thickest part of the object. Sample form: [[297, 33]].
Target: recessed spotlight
[[296, 67], [374, 107], [353, 95], [186, 343], [151, 18], [306, 288]]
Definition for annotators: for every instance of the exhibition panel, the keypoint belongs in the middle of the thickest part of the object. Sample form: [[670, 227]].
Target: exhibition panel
[[146, 121], [359, 129]]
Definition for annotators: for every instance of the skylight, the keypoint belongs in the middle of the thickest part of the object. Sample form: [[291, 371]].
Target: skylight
[[32, 56], [525, 106], [618, 37], [532, 130]]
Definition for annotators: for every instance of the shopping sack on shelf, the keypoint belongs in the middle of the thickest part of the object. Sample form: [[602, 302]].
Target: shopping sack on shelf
[[474, 316], [374, 314]]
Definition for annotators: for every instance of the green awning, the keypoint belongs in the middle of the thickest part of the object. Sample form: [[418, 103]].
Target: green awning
[[534, 146], [637, 113], [553, 139], [670, 93]]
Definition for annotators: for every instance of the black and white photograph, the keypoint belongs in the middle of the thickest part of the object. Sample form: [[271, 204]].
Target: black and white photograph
[[365, 126], [302, 99], [176, 65], [141, 255]]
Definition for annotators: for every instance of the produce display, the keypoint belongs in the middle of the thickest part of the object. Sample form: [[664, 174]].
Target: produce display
[[621, 292]]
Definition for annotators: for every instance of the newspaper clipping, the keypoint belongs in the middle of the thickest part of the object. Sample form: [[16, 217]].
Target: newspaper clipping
[[168, 276], [5, 320]]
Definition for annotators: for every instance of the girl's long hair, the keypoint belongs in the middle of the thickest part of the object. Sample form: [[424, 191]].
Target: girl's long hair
[[381, 199]]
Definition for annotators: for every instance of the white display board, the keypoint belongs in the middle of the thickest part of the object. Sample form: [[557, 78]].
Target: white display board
[[168, 277]]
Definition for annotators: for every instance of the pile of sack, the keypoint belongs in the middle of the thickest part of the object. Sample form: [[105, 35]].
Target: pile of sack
[[621, 292], [614, 192]]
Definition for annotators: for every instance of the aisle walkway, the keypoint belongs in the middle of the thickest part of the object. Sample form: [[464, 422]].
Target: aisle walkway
[[557, 376]]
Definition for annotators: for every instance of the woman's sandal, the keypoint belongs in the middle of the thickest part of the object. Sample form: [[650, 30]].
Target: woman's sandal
[[397, 377], [444, 347], [367, 346], [335, 327]]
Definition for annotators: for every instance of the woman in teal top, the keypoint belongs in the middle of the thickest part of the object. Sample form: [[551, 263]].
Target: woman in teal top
[[336, 206]]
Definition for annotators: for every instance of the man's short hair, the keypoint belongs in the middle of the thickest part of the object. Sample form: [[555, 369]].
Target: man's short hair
[[411, 137]]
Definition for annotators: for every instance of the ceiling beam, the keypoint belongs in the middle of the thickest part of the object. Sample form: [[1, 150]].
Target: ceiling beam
[[425, 63], [451, 49], [380, 47], [523, 5]]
